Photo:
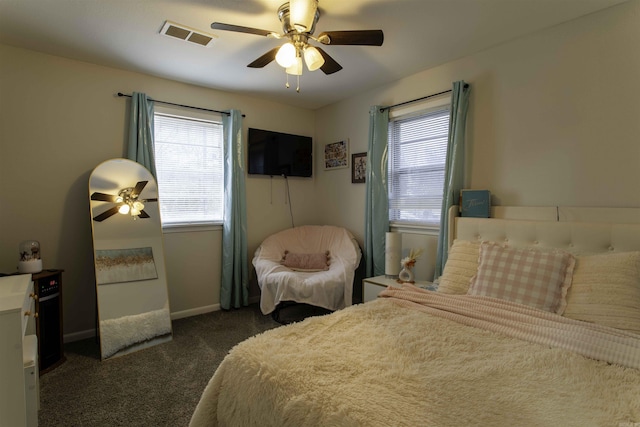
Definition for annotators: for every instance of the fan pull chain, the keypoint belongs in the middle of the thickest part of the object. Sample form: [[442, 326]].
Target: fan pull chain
[[298, 85]]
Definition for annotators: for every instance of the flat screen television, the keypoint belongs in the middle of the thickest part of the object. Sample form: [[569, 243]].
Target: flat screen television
[[279, 154]]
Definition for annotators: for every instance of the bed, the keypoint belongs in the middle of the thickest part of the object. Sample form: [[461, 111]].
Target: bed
[[560, 355]]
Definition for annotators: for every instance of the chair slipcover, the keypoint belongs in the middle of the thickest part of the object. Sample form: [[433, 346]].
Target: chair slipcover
[[331, 289]]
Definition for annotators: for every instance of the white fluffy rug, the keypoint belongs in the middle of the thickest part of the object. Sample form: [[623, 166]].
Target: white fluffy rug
[[123, 332]]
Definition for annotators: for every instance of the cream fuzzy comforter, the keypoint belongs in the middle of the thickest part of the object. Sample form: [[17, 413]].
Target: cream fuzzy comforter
[[383, 364]]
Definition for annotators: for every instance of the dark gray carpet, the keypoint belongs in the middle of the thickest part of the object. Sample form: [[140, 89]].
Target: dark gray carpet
[[159, 386]]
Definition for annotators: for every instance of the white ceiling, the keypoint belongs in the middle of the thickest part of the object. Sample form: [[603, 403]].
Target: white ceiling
[[419, 34]]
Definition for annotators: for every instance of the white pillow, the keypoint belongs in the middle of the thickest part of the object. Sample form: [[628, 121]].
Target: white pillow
[[606, 290], [461, 266]]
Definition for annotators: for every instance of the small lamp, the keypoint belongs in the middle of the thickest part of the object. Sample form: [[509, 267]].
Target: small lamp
[[392, 254]]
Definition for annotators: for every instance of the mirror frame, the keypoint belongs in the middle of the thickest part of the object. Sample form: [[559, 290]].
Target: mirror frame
[[132, 305]]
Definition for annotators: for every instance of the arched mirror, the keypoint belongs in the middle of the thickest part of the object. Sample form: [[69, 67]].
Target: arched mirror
[[131, 282]]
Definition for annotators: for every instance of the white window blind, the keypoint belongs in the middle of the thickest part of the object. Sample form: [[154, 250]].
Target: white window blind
[[417, 156], [189, 164]]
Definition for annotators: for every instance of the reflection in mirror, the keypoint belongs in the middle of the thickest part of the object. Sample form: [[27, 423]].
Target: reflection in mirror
[[131, 281]]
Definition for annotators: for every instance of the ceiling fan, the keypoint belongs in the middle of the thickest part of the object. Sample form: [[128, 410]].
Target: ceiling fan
[[299, 18], [127, 202]]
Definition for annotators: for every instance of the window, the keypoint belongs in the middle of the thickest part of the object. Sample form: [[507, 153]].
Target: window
[[189, 164], [417, 156]]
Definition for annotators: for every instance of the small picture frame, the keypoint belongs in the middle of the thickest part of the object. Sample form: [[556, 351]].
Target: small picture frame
[[358, 168], [336, 155]]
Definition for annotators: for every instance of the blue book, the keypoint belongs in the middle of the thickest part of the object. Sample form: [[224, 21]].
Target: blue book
[[475, 203]]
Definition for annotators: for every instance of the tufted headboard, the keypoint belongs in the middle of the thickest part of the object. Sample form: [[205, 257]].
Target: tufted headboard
[[581, 231]]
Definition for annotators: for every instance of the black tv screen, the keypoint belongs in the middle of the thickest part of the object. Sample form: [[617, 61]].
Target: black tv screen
[[279, 154]]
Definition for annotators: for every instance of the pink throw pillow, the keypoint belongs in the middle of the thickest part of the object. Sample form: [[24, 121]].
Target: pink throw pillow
[[306, 262], [525, 276]]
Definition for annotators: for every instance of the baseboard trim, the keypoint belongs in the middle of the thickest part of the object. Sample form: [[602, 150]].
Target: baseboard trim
[[90, 333], [206, 309], [195, 311], [79, 336]]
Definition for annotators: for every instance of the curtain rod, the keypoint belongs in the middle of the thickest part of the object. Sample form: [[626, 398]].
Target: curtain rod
[[182, 105], [466, 85]]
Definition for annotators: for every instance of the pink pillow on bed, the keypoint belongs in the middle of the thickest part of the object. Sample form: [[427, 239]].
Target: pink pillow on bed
[[306, 262], [526, 276]]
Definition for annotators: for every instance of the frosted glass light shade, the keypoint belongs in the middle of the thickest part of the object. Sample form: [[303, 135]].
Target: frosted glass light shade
[[313, 58], [286, 55], [296, 68], [124, 209], [302, 14], [136, 208]]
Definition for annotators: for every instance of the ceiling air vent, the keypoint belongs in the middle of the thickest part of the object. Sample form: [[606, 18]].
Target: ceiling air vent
[[185, 33]]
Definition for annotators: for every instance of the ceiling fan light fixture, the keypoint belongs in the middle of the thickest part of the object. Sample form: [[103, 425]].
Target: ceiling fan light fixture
[[313, 58], [286, 55], [302, 14], [124, 209], [299, 19]]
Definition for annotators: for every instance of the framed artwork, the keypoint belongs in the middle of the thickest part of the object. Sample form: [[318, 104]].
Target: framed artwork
[[124, 265], [336, 155], [358, 168]]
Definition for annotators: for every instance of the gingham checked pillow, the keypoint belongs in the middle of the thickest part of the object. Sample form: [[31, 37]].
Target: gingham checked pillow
[[526, 276]]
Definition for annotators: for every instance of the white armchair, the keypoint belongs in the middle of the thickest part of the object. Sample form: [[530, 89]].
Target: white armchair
[[331, 289]]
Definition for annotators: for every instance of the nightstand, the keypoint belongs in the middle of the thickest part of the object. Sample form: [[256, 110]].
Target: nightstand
[[372, 286]]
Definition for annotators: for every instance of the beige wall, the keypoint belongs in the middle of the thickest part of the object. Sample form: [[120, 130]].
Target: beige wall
[[553, 120], [58, 120]]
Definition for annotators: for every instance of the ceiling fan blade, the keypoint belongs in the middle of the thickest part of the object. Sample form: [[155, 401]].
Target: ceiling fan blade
[[104, 197], [353, 37], [106, 214], [143, 214], [264, 59], [240, 29], [150, 200], [138, 189], [330, 65]]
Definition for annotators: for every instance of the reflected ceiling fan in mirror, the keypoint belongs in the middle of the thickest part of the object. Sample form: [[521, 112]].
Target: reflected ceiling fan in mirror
[[127, 202], [299, 19]]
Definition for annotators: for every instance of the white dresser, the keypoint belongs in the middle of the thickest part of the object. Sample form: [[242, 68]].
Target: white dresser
[[18, 353]]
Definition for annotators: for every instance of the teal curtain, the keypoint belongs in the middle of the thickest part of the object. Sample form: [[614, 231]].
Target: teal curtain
[[454, 167], [140, 145], [376, 220], [234, 290]]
